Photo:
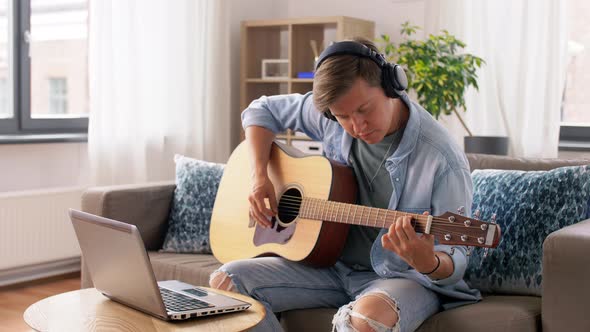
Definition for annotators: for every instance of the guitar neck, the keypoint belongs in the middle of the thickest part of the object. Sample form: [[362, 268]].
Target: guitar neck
[[319, 209]]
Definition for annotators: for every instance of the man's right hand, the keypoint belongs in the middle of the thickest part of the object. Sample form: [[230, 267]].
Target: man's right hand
[[262, 190]]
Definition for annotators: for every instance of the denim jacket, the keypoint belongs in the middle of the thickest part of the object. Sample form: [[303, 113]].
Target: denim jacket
[[428, 171]]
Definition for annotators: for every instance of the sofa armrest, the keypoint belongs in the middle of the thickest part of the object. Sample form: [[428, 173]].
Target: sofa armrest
[[146, 205], [566, 279]]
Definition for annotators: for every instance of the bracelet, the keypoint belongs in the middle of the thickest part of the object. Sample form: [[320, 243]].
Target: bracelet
[[437, 265]]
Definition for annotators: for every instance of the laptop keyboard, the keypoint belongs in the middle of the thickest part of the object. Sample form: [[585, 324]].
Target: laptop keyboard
[[179, 302]]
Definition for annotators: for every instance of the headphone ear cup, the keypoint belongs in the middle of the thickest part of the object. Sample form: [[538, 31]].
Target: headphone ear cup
[[400, 79], [388, 81], [393, 79]]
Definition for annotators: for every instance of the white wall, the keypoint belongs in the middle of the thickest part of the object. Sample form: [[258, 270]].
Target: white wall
[[388, 15], [36, 166]]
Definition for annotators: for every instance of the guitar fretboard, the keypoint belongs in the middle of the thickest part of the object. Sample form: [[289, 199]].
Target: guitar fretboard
[[318, 209]]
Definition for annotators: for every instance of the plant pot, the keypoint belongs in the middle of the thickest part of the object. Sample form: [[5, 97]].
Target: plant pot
[[486, 144]]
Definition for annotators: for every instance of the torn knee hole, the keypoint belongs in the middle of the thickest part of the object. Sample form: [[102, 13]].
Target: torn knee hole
[[221, 280], [390, 302], [364, 317]]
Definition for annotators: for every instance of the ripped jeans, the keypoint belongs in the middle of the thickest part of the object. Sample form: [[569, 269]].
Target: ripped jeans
[[281, 285]]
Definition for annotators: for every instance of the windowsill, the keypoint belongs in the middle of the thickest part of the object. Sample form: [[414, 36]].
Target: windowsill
[[573, 145], [83, 137], [44, 138]]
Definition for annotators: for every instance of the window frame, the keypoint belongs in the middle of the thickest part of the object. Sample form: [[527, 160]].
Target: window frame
[[22, 123], [573, 137], [574, 133]]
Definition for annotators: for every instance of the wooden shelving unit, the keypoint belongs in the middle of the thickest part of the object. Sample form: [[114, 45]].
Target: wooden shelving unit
[[289, 39]]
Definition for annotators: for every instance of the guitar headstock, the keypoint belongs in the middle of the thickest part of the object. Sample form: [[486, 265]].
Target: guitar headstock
[[456, 229]]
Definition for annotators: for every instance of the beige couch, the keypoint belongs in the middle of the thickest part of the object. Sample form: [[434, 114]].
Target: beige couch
[[564, 305]]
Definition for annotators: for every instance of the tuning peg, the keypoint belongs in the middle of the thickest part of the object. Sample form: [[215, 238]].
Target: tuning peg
[[485, 254], [493, 218], [461, 210], [477, 214]]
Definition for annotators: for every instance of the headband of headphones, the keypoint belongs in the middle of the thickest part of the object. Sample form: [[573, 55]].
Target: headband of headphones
[[351, 48], [393, 77]]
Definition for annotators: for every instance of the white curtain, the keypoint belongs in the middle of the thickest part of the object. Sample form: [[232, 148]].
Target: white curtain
[[159, 85], [521, 85]]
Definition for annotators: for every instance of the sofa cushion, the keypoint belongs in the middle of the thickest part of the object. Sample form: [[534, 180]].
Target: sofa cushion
[[529, 206], [190, 268], [197, 182], [494, 313]]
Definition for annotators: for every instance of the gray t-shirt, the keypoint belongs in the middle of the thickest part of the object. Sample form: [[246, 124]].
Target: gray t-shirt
[[375, 189]]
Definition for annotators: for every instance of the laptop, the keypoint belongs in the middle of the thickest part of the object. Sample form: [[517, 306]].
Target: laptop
[[121, 270]]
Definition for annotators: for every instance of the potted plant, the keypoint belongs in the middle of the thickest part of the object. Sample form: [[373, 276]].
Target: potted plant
[[439, 76]]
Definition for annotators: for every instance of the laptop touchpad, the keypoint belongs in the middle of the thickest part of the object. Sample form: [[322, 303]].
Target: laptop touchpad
[[196, 291]]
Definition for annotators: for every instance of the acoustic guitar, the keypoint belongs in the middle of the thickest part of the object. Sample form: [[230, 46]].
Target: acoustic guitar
[[314, 196]]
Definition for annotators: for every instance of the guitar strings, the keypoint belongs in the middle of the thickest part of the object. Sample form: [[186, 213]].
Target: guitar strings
[[296, 201], [294, 208], [440, 233], [421, 218], [433, 230], [377, 222], [360, 218]]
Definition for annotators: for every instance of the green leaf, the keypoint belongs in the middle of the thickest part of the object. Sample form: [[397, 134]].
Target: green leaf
[[438, 69]]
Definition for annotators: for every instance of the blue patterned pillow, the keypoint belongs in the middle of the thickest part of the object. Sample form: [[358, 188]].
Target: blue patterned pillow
[[188, 223], [529, 206]]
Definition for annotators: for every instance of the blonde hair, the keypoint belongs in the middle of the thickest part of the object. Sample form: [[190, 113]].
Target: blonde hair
[[336, 75]]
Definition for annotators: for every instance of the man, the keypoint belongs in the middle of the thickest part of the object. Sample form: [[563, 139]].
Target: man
[[386, 280]]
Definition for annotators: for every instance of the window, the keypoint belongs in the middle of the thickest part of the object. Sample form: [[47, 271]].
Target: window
[[43, 66], [575, 112], [58, 96]]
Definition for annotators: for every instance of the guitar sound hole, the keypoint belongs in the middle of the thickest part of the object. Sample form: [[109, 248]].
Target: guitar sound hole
[[289, 205]]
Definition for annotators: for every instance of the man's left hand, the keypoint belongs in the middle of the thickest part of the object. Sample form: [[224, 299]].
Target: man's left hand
[[416, 250]]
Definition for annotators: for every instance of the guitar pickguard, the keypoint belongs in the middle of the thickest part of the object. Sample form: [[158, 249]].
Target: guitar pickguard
[[276, 234]]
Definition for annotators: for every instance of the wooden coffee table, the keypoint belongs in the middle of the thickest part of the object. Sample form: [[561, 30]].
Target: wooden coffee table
[[89, 310]]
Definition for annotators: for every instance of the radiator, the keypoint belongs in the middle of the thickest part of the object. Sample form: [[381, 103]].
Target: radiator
[[35, 230]]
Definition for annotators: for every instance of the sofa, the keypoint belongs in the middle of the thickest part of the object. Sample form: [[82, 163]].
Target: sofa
[[563, 305]]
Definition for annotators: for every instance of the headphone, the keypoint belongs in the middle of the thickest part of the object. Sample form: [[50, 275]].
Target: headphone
[[393, 77]]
